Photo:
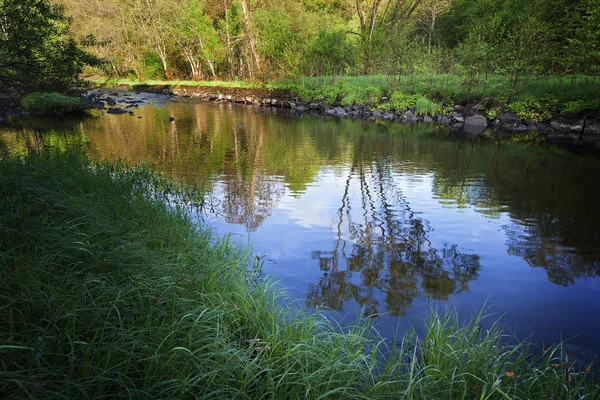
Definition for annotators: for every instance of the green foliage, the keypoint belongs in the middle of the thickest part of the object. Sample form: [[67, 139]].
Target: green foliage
[[491, 113], [401, 101], [581, 105], [539, 109], [424, 106], [36, 53], [51, 103], [370, 95], [330, 94], [330, 53], [281, 42]]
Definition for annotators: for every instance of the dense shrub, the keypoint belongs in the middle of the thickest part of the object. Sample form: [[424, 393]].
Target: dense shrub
[[48, 103]]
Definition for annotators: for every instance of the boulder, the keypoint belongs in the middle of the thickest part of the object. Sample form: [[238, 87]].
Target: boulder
[[476, 120], [111, 102], [377, 114], [442, 119], [410, 116], [112, 110], [456, 117], [340, 112], [302, 108], [427, 119], [591, 134], [544, 128], [567, 123], [475, 125], [521, 128], [592, 128], [389, 116], [508, 121]]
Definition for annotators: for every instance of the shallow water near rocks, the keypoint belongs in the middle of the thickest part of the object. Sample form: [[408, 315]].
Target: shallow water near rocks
[[374, 219]]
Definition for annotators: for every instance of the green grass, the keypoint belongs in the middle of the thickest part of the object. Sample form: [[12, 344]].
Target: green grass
[[108, 291], [571, 92], [453, 88], [51, 103], [150, 82]]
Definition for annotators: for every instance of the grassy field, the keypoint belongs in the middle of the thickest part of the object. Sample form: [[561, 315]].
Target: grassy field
[[109, 291]]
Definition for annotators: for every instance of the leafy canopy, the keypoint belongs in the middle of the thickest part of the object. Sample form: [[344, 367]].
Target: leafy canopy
[[36, 53]]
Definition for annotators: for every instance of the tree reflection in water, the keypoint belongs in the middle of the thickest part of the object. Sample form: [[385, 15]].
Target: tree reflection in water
[[382, 245], [249, 159]]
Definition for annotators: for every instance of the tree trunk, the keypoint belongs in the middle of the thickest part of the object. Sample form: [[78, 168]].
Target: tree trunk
[[165, 68], [228, 36], [251, 39], [431, 29], [209, 61]]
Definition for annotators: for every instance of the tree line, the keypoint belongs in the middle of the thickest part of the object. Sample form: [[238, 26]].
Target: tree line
[[270, 40], [42, 42]]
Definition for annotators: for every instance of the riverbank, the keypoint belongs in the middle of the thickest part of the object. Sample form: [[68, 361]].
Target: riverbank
[[107, 290], [563, 118]]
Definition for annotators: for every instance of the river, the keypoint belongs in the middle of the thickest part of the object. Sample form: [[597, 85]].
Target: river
[[373, 219]]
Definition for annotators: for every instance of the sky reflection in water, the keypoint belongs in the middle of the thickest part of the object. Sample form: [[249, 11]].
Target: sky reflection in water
[[380, 220]]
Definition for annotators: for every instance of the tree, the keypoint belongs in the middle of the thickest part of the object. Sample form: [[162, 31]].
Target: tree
[[197, 39], [36, 53], [377, 20], [431, 11], [153, 19], [583, 42], [251, 38]]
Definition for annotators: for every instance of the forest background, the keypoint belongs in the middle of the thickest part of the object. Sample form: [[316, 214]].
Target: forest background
[[267, 40], [360, 50]]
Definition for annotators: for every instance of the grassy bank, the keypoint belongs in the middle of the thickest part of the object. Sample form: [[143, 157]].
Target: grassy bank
[[106, 291], [152, 82], [52, 103], [453, 88], [540, 95]]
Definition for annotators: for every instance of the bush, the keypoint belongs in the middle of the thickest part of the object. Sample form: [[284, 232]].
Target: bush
[[400, 101], [424, 106], [540, 109], [581, 105], [369, 95], [49, 103], [37, 52]]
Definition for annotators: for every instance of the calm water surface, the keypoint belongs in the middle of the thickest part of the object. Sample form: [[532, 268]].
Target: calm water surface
[[373, 219]]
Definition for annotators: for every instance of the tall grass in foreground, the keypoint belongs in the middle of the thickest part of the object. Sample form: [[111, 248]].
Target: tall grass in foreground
[[106, 291]]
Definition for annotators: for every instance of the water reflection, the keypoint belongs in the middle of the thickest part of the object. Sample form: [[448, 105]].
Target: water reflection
[[551, 200], [401, 213], [381, 240]]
